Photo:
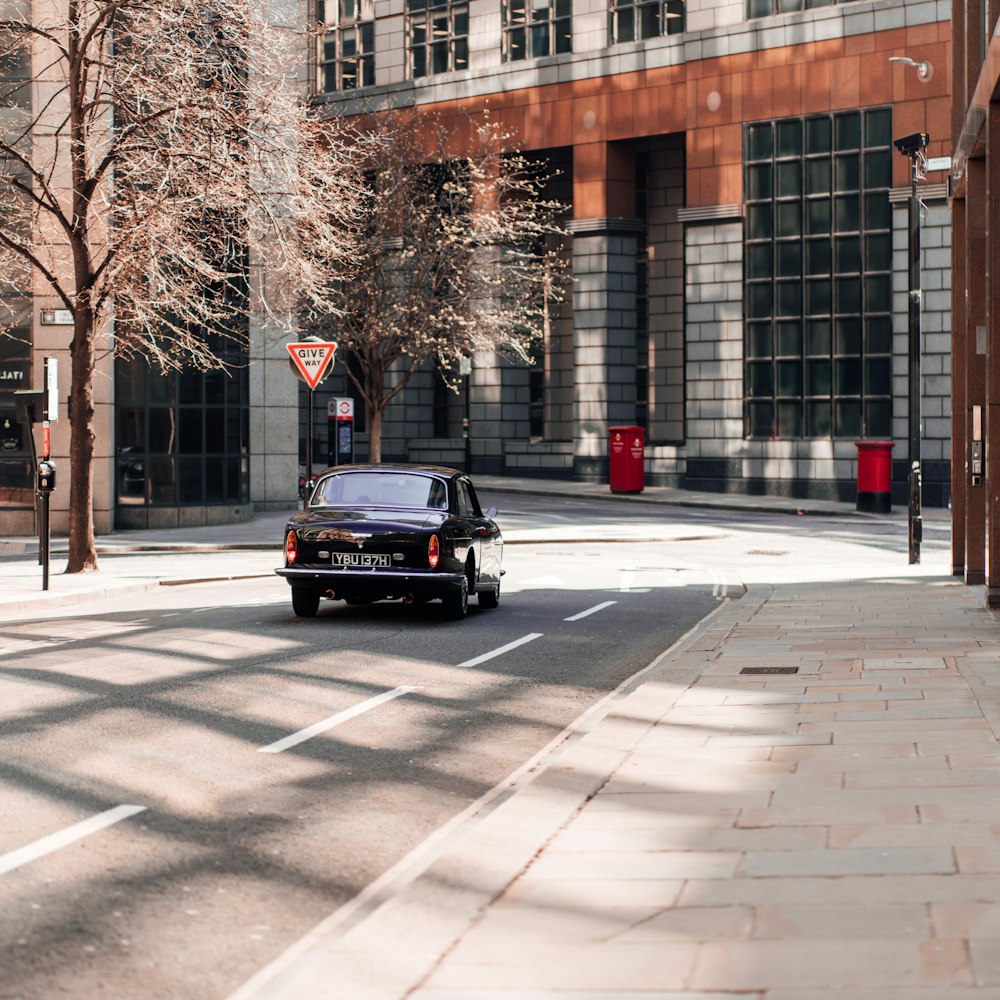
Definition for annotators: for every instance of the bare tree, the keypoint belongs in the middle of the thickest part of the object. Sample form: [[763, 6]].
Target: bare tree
[[148, 152], [460, 255]]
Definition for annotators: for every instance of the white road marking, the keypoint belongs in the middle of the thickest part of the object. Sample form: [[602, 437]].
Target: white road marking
[[335, 720], [590, 611], [476, 660], [720, 586], [62, 838]]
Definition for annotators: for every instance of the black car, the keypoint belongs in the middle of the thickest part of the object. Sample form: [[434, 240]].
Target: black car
[[384, 532]]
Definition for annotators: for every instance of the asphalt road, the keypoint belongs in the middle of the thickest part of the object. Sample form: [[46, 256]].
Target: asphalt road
[[244, 773]]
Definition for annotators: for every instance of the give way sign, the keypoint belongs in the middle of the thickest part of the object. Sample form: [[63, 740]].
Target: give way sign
[[312, 361]]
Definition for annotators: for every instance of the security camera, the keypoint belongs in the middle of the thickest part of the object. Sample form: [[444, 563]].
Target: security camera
[[912, 145]]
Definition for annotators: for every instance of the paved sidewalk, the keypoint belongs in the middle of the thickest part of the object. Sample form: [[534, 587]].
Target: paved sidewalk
[[798, 803]]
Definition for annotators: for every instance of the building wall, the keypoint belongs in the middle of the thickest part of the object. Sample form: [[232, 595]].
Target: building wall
[[686, 97], [683, 100]]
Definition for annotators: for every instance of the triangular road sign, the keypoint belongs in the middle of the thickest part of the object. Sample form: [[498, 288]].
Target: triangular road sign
[[312, 362]]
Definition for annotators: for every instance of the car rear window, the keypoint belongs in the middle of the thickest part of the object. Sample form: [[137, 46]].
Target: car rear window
[[381, 489]]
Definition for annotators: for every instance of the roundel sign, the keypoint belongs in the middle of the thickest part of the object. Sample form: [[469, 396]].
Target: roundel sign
[[312, 361], [340, 409]]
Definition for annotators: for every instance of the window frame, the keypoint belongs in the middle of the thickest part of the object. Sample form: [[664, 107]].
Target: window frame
[[770, 8], [669, 17], [520, 18], [331, 60], [429, 16]]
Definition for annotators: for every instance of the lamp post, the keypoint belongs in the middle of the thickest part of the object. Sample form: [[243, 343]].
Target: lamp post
[[912, 147], [465, 370]]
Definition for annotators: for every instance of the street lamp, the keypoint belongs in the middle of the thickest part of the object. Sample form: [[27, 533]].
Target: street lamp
[[912, 147], [924, 69]]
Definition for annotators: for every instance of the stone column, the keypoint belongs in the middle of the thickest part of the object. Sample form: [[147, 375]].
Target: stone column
[[992, 203], [959, 407], [975, 362], [605, 242], [604, 259]]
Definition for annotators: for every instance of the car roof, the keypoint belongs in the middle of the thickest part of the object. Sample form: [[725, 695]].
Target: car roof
[[434, 470]]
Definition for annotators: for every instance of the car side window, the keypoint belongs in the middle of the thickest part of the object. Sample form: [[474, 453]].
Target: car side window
[[466, 505], [438, 497], [474, 500]]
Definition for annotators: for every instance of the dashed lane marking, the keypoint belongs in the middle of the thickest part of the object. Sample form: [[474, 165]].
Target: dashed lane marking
[[590, 611], [62, 838], [335, 720], [476, 660]]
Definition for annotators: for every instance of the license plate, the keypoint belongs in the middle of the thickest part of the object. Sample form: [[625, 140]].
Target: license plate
[[359, 559]]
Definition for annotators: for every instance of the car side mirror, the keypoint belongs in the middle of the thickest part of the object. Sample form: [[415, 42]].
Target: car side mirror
[[492, 513]]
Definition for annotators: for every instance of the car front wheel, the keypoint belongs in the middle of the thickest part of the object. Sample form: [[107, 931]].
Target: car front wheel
[[305, 601]]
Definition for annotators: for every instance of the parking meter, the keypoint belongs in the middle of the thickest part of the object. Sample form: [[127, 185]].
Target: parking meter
[[46, 481]]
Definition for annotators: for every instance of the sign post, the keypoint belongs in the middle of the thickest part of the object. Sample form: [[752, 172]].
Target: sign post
[[340, 420], [312, 361]]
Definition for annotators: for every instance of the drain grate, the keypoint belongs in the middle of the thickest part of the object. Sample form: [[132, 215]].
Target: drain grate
[[769, 670]]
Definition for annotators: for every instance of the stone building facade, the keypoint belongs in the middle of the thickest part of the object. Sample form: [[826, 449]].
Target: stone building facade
[[747, 307], [738, 234]]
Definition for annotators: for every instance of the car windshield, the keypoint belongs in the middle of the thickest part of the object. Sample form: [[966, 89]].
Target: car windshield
[[381, 489]]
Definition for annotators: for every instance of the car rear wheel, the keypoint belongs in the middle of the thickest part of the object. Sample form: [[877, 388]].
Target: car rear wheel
[[305, 601], [490, 598], [456, 603]]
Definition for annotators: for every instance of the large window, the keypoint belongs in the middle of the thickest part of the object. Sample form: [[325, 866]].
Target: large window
[[347, 56], [181, 439], [438, 36], [818, 255], [634, 20], [535, 28]]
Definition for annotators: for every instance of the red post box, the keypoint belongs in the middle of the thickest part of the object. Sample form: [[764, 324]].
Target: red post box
[[874, 476], [627, 459]]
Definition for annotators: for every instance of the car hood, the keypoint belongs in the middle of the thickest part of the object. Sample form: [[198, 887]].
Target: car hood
[[328, 523]]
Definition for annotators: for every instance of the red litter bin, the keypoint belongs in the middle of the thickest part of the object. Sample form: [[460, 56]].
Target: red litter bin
[[874, 476], [627, 459]]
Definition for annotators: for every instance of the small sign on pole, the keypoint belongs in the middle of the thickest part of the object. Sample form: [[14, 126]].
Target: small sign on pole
[[312, 362], [51, 388]]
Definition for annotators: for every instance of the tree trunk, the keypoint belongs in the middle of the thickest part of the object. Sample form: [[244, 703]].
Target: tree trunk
[[375, 435], [82, 548]]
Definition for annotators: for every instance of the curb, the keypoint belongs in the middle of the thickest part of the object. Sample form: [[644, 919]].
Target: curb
[[747, 508], [48, 599]]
